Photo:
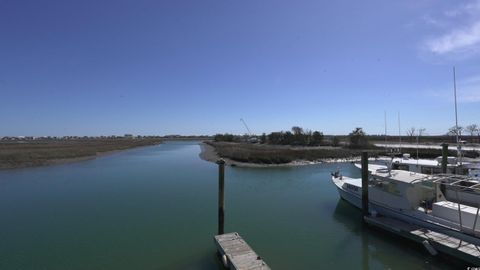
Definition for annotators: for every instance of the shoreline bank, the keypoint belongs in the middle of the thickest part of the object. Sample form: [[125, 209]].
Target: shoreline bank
[[266, 156], [56, 153], [208, 153]]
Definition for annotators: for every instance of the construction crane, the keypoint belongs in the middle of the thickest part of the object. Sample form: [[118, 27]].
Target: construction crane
[[245, 124], [251, 137]]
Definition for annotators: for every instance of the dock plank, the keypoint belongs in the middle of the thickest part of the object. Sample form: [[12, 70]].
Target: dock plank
[[450, 242], [239, 254], [444, 243]]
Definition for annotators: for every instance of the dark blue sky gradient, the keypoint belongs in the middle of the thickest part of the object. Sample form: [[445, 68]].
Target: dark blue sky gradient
[[197, 67]]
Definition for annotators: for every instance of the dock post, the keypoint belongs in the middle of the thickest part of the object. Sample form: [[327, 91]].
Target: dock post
[[444, 157], [365, 183], [221, 196]]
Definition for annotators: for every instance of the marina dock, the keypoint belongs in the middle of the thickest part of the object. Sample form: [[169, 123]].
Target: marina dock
[[433, 241], [237, 254]]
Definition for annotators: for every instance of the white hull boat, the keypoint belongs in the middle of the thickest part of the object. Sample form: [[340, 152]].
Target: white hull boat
[[413, 198], [432, 167], [428, 166]]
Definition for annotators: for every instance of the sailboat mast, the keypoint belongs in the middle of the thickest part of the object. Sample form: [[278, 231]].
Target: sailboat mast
[[455, 96], [457, 131], [399, 134], [385, 118]]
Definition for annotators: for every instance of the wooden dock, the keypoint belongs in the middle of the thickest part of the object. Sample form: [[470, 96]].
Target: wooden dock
[[439, 241], [237, 254]]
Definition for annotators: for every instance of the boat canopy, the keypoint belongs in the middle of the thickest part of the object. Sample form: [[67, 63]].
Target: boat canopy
[[402, 176], [464, 182]]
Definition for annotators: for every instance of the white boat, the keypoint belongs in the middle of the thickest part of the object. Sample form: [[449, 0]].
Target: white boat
[[414, 198], [427, 166]]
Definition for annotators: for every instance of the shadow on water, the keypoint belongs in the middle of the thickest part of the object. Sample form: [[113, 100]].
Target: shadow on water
[[209, 260], [380, 245]]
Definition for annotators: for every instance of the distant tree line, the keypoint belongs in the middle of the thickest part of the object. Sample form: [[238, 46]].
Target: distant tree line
[[357, 139], [472, 130], [414, 132], [225, 138], [297, 136]]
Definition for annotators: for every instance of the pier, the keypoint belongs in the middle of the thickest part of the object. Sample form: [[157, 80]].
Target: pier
[[234, 252], [432, 240], [237, 254]]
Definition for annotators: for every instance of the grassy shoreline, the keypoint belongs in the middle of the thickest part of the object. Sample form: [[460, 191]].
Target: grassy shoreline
[[265, 155], [22, 154]]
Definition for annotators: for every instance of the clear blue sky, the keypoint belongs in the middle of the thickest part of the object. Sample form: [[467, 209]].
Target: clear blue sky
[[197, 67]]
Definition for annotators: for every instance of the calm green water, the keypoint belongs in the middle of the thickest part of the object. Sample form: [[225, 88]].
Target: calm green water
[[155, 208]]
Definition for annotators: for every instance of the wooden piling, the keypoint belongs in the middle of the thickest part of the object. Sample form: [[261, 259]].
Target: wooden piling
[[444, 157], [365, 183], [221, 196]]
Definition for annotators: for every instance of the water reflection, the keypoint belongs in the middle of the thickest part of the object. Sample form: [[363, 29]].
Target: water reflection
[[155, 208]]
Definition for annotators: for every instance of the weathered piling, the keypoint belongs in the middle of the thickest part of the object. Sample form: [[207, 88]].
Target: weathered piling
[[444, 157], [234, 252], [221, 196], [365, 183]]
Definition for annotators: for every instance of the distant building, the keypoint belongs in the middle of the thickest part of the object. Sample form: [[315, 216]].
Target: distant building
[[128, 136]]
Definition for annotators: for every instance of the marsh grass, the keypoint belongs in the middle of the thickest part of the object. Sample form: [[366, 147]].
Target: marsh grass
[[281, 154], [15, 154]]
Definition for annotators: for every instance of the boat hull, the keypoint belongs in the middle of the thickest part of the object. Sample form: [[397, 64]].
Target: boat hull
[[354, 198], [349, 197]]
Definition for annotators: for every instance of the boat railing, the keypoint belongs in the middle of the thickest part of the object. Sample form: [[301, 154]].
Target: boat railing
[[458, 182], [452, 180]]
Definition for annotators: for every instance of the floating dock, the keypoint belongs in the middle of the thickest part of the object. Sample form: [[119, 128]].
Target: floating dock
[[432, 240], [236, 254]]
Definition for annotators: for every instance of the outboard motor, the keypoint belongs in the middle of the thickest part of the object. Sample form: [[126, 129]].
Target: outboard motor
[[336, 174]]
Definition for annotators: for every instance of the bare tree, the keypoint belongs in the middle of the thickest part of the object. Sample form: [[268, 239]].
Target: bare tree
[[411, 133], [478, 134], [419, 134], [472, 129], [421, 131], [453, 131]]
